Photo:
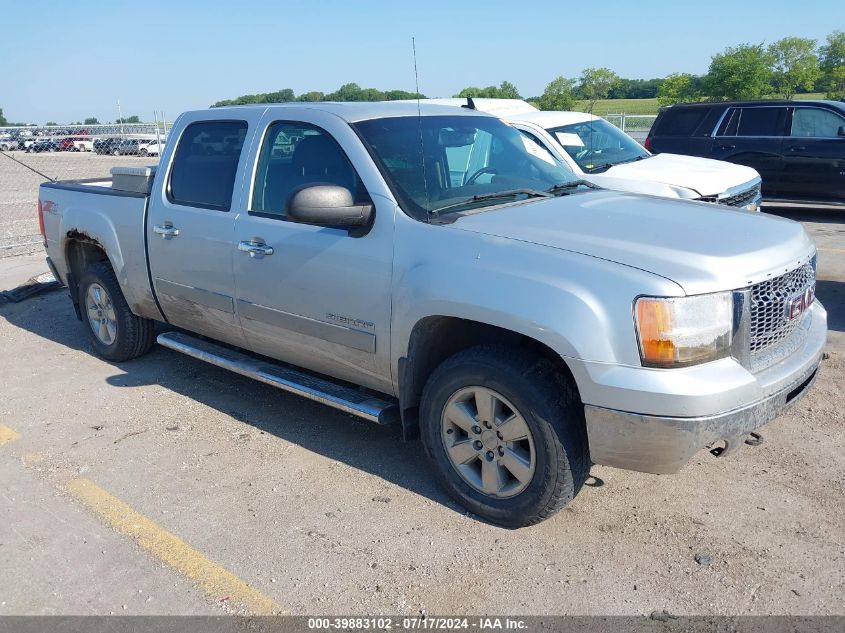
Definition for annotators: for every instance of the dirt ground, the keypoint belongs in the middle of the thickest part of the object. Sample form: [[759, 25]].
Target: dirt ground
[[167, 486]]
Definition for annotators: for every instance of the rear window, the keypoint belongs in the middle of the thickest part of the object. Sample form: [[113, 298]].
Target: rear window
[[205, 164], [761, 122], [683, 122]]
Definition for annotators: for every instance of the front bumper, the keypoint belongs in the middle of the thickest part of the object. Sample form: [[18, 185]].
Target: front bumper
[[662, 444]]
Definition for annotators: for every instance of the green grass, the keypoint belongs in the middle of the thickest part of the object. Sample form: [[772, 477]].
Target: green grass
[[646, 106], [618, 106]]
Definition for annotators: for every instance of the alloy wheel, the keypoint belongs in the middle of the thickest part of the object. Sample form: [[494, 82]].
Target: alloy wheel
[[488, 442]]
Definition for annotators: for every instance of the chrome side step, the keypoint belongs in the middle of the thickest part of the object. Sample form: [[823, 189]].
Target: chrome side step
[[342, 397]]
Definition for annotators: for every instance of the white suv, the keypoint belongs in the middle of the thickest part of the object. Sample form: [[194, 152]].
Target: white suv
[[604, 155]]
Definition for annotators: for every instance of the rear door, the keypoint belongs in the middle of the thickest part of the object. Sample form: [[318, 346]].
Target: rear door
[[753, 136], [314, 296], [814, 155], [190, 226]]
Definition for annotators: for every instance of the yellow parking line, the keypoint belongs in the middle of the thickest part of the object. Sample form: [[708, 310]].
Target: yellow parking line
[[217, 582], [830, 250], [8, 435]]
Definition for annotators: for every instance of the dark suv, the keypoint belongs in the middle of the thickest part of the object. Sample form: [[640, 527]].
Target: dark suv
[[797, 146]]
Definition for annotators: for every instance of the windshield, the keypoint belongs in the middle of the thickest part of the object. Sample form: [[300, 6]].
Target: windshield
[[598, 145], [468, 160]]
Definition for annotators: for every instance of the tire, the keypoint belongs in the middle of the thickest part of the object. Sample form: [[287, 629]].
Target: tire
[[546, 401], [126, 335], [143, 152]]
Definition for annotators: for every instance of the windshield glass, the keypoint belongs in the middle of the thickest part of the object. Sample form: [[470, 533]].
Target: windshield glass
[[467, 159], [598, 145]]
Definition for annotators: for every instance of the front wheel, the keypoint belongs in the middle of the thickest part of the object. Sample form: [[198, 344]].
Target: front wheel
[[116, 333], [505, 432]]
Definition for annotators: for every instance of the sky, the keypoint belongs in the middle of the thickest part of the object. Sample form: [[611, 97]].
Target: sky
[[67, 60]]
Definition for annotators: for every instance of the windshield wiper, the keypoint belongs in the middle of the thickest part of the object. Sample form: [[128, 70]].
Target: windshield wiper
[[566, 187], [606, 166], [632, 160], [497, 195]]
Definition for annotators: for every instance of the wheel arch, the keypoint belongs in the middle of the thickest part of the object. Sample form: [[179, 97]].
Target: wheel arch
[[80, 252], [435, 338]]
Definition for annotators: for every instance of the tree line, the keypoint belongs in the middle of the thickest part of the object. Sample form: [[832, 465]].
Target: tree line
[[784, 68], [347, 92]]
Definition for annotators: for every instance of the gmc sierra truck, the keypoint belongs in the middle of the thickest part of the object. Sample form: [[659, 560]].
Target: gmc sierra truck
[[431, 266]]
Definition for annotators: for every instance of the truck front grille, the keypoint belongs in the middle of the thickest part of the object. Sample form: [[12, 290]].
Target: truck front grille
[[771, 325], [737, 200]]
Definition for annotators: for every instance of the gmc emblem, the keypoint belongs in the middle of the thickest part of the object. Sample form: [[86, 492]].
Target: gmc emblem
[[796, 306]]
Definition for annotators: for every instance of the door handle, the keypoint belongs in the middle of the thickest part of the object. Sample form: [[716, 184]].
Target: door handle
[[255, 248], [800, 148], [166, 230], [727, 146]]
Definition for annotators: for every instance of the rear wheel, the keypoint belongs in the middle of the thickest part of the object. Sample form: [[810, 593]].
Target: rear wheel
[[116, 333], [505, 432]]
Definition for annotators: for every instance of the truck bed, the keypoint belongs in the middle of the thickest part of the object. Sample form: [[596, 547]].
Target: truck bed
[[93, 211]]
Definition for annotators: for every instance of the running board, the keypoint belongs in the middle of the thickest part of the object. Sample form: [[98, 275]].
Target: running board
[[342, 397]]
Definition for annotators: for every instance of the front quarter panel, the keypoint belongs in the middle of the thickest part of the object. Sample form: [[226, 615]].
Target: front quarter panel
[[579, 306]]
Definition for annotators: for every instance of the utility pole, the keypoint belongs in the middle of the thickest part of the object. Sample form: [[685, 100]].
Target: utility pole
[[120, 116]]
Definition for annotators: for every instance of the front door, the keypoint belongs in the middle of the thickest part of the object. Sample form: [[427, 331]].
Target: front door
[[814, 156], [314, 296], [752, 136], [190, 230]]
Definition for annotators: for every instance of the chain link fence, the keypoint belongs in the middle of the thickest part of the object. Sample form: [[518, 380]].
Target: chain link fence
[[636, 126], [32, 154]]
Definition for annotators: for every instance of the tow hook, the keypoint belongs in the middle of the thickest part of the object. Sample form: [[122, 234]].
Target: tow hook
[[727, 446], [754, 439]]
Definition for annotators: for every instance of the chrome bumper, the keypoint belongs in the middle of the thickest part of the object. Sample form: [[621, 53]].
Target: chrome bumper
[[663, 445]]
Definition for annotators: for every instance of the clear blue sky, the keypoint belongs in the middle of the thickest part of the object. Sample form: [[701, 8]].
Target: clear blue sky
[[66, 60]]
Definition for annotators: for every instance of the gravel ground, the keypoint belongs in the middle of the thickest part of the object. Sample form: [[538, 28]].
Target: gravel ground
[[325, 514]]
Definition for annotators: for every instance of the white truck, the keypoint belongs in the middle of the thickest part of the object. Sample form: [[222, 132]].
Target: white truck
[[435, 268], [603, 154]]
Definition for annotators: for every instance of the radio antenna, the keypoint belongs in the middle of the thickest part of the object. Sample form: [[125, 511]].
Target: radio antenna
[[419, 126]]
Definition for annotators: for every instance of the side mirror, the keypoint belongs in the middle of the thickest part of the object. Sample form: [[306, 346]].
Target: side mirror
[[841, 131], [327, 205]]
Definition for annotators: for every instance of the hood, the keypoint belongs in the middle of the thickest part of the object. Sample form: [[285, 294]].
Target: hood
[[700, 246], [706, 176]]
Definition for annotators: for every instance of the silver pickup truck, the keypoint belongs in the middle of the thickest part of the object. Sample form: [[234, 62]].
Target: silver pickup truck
[[432, 266]]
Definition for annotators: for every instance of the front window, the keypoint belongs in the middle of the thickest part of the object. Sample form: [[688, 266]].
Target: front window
[[816, 123], [459, 162], [296, 155], [598, 145]]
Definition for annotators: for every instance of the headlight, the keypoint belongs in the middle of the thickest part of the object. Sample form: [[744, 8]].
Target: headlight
[[680, 331]]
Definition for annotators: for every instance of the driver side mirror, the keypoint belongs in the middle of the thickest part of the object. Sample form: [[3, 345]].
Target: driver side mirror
[[841, 131], [328, 205]]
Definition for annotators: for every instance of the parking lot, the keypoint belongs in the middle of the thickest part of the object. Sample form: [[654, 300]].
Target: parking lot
[[168, 486]]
